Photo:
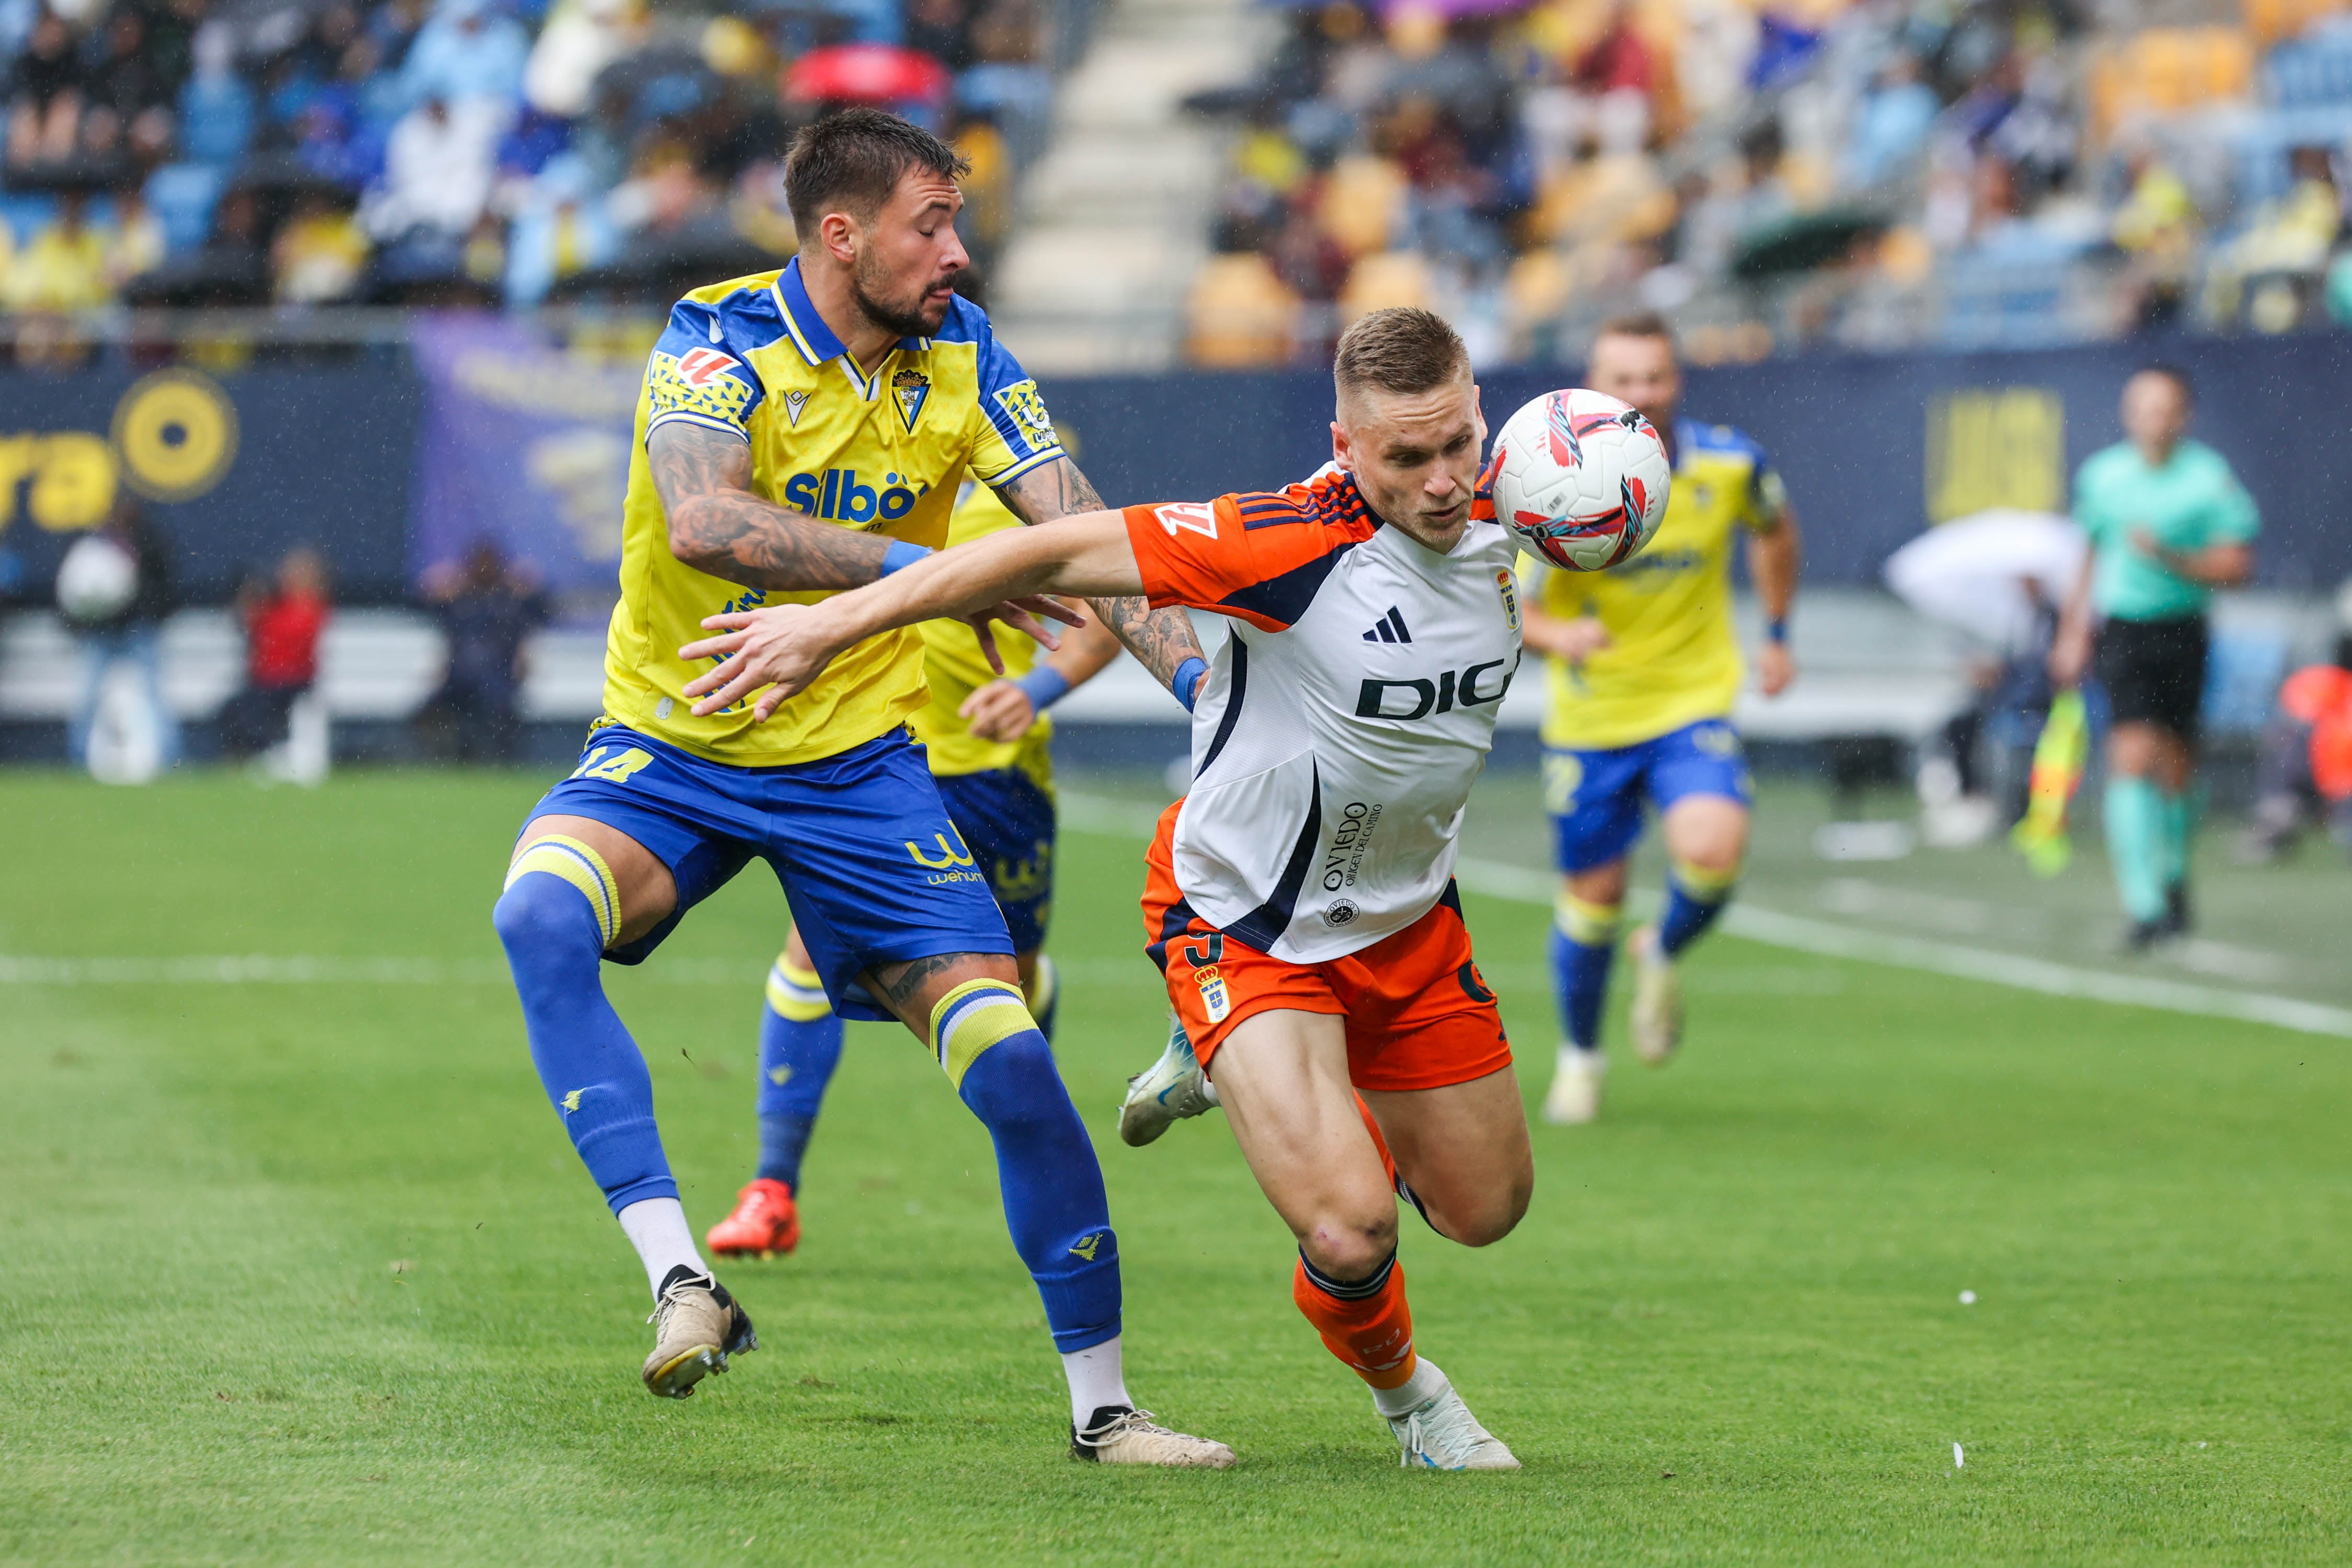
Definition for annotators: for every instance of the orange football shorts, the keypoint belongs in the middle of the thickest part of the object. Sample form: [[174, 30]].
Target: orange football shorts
[[1419, 1014]]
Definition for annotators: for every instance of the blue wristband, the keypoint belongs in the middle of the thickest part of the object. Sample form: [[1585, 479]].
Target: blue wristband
[[1044, 686], [901, 554], [1187, 684], [1777, 630]]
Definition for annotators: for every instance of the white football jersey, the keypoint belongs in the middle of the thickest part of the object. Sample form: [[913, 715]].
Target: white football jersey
[[1339, 729]]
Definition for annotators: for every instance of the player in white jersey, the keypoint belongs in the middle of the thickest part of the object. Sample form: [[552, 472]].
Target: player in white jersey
[[1301, 901]]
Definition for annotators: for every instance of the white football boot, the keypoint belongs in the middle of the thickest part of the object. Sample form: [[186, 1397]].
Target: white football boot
[[1171, 1089], [1120, 1436], [1575, 1096], [1440, 1434], [1657, 1018]]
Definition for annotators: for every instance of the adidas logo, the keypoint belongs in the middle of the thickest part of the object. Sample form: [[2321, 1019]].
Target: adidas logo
[[1390, 627]]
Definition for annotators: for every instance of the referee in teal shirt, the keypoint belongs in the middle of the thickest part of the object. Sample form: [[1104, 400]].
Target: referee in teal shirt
[[2169, 524]]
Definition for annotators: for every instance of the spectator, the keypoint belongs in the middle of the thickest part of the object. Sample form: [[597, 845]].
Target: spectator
[[1893, 123], [130, 108], [319, 256], [2304, 771], [130, 634], [64, 266], [437, 169], [216, 104], [581, 38], [283, 622], [486, 610], [134, 241], [468, 51], [47, 90], [560, 228]]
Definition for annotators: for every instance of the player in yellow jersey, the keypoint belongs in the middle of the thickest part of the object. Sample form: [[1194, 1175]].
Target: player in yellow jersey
[[802, 432], [989, 744], [1642, 672]]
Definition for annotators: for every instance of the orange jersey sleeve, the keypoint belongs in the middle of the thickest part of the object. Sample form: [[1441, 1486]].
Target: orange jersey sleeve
[[1258, 555]]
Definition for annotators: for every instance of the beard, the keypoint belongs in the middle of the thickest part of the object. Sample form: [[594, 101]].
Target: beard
[[914, 319]]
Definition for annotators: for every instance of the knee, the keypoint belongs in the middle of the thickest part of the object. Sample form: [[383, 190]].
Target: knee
[[1349, 1241], [1494, 1216], [1012, 1087], [541, 915]]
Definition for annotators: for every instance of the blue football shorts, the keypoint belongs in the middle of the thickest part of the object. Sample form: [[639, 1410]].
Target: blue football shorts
[[873, 868], [1595, 798], [1007, 822]]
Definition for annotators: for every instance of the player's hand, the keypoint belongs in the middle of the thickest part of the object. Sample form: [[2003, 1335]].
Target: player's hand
[[2145, 542], [781, 647], [2070, 655], [1021, 614], [1776, 667], [999, 710], [1574, 641]]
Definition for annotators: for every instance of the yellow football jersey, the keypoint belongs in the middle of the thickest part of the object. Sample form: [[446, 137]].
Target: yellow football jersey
[[1673, 659], [883, 453], [955, 668]]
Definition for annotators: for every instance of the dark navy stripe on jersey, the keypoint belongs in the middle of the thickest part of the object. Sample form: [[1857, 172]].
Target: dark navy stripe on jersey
[[1264, 926], [1232, 712], [1284, 597], [1451, 898], [1175, 921]]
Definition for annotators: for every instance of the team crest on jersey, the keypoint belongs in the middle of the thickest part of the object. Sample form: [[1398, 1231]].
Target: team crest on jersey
[[1027, 411], [909, 390], [1510, 590], [793, 402], [1214, 1000]]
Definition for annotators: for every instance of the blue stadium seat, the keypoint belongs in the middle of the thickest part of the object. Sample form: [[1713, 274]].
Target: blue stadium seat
[[2241, 679], [26, 212], [2269, 135], [2315, 70], [182, 196]]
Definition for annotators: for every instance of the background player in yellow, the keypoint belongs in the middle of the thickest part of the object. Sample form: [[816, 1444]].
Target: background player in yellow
[[989, 742], [801, 432], [1643, 670]]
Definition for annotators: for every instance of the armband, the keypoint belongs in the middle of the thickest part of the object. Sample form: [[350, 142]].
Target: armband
[[901, 554], [1187, 683], [1044, 686]]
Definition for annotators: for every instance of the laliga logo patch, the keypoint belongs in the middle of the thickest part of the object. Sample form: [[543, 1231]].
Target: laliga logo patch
[[793, 402], [1510, 593], [909, 390], [701, 367]]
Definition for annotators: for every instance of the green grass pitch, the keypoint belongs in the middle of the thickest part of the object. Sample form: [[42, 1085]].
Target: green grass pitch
[[305, 1272]]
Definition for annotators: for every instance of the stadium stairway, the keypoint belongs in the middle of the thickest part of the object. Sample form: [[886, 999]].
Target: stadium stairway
[[1115, 217]]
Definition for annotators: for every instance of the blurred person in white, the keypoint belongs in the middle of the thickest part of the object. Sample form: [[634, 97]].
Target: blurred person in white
[[1998, 579], [2169, 524], [437, 169], [121, 624], [1643, 668]]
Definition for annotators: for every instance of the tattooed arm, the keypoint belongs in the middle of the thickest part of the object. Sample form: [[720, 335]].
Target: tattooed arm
[[1161, 639], [717, 525]]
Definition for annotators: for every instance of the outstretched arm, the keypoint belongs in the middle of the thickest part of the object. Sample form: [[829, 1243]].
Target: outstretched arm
[[783, 647], [1773, 557], [717, 525], [1162, 640]]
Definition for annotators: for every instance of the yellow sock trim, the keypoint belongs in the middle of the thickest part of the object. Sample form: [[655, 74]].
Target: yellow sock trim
[[796, 994], [583, 869], [1706, 885], [1046, 982], [978, 1022], [1587, 924]]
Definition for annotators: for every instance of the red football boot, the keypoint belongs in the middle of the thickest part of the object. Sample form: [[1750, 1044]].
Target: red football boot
[[765, 1223]]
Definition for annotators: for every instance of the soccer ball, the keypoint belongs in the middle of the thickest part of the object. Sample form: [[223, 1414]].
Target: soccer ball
[[96, 578], [1581, 478]]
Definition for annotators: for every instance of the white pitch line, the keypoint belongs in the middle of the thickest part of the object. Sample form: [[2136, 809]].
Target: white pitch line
[[1524, 884]]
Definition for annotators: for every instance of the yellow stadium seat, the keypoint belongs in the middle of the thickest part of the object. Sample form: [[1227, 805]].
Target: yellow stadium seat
[[1394, 277], [1361, 203], [1239, 314]]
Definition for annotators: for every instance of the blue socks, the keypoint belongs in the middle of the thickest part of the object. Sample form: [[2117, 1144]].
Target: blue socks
[[997, 1058], [560, 910], [2139, 845], [800, 1045], [1583, 945], [1694, 896]]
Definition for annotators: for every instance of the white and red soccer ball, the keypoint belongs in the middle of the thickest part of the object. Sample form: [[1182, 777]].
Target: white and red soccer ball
[[1581, 479]]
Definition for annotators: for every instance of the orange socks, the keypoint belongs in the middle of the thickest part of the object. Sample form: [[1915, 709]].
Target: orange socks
[[1365, 1323]]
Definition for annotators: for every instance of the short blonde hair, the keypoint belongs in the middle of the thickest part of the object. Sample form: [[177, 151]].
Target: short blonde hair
[[1402, 349]]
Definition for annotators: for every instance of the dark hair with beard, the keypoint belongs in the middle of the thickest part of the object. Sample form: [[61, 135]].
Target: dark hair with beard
[[852, 162]]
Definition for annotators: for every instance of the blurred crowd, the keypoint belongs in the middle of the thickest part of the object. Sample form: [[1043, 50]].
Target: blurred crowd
[[1778, 173], [204, 152]]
